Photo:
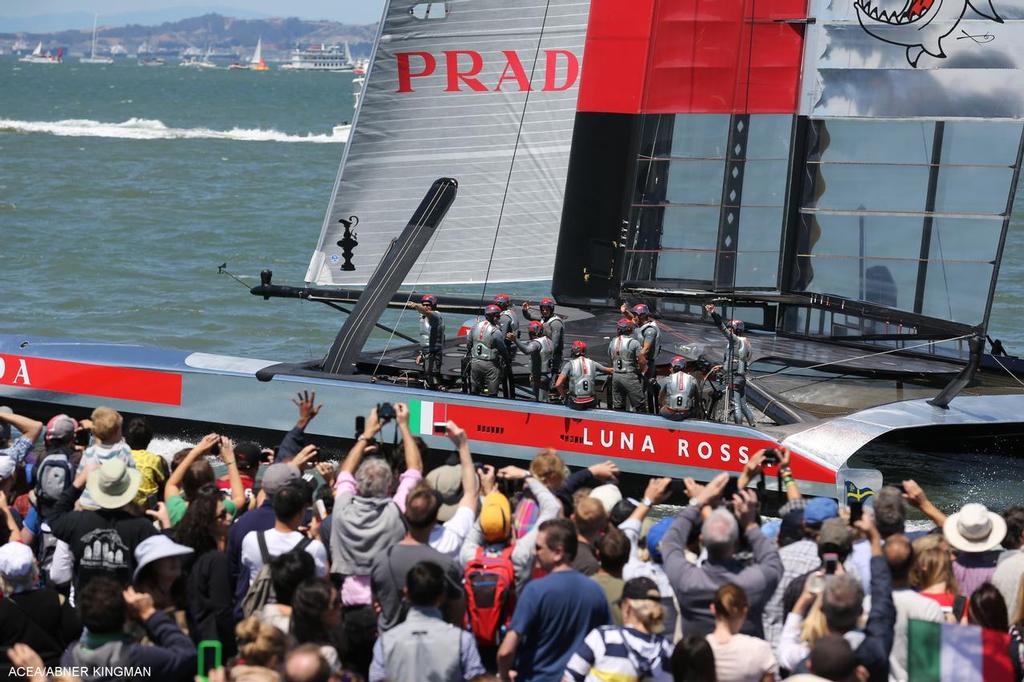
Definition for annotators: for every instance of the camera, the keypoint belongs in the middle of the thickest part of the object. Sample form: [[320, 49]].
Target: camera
[[215, 448], [772, 456], [385, 412]]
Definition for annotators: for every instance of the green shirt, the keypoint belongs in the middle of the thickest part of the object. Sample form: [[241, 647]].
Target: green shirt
[[177, 505]]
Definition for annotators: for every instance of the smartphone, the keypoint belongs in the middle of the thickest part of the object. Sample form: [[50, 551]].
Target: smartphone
[[82, 437], [209, 662], [856, 510], [360, 425], [830, 560], [440, 428], [321, 509]]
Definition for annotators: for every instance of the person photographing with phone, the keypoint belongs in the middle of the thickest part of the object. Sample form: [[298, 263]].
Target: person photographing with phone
[[841, 599]]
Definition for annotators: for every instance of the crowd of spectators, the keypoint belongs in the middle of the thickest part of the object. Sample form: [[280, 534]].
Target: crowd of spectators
[[228, 561]]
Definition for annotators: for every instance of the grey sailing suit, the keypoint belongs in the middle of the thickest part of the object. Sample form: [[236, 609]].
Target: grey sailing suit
[[508, 323], [681, 394], [581, 377], [540, 351], [485, 346], [432, 346], [735, 362], [650, 332], [627, 385], [553, 329]]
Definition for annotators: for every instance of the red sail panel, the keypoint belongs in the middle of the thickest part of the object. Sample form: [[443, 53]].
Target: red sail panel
[[702, 56], [615, 57]]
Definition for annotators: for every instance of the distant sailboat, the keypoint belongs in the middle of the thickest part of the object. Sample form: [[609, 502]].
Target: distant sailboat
[[92, 58], [203, 63], [37, 56], [256, 63]]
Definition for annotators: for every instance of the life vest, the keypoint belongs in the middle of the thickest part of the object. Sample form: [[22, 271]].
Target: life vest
[[581, 379], [623, 351], [431, 335], [655, 344], [680, 390], [547, 350], [482, 341]]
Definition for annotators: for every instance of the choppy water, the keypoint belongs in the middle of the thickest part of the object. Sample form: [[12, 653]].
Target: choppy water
[[122, 188]]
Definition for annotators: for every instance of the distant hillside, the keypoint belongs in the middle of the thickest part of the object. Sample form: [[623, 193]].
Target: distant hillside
[[225, 34]]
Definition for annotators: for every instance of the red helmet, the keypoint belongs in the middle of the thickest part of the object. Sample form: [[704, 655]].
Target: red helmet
[[737, 326], [641, 309], [547, 302], [625, 326], [677, 363], [579, 348], [492, 311], [536, 328], [429, 299], [502, 301]]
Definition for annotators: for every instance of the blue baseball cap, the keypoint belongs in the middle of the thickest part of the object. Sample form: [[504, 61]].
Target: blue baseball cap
[[819, 510], [654, 536]]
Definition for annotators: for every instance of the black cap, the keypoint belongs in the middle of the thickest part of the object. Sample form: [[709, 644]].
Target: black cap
[[248, 455], [641, 588]]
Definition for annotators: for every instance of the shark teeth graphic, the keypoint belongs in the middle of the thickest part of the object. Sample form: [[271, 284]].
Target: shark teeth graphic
[[914, 10]]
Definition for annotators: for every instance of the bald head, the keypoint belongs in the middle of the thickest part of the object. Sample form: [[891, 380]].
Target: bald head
[[899, 554], [305, 664]]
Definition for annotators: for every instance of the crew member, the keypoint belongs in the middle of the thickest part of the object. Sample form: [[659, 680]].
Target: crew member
[[628, 367], [431, 339], [679, 391], [540, 351], [487, 352], [576, 379], [735, 362], [648, 333], [508, 324], [553, 326]]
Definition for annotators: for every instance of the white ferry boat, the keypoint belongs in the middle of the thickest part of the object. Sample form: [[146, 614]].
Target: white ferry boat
[[321, 58]]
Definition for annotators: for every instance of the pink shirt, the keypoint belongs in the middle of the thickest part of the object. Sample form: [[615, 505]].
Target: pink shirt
[[356, 591]]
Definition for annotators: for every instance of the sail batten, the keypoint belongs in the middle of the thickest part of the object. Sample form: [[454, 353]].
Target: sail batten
[[487, 95]]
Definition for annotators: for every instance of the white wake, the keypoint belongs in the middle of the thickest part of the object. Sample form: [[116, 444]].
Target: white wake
[[151, 129]]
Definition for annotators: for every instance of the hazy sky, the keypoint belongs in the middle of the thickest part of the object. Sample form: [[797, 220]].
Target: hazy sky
[[352, 11]]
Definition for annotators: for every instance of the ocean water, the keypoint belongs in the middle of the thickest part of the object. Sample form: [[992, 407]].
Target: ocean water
[[123, 188]]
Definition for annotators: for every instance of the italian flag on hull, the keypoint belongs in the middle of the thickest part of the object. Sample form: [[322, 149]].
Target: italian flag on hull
[[940, 652]]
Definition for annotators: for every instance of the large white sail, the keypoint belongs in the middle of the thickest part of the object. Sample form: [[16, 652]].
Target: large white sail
[[483, 91]]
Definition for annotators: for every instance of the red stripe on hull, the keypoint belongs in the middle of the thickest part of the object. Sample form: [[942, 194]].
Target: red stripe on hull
[[693, 56], [588, 434], [101, 381]]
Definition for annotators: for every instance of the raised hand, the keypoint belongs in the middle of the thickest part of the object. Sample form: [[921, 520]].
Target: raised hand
[[402, 413], [308, 409], [657, 489], [305, 457], [513, 473], [456, 433], [605, 471]]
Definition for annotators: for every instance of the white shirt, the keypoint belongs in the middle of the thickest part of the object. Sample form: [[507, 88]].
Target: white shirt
[[909, 606], [278, 543], [447, 539]]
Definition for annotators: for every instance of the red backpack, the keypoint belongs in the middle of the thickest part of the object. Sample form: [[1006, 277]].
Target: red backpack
[[490, 583]]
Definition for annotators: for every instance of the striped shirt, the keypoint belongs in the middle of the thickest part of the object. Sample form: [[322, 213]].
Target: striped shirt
[[621, 654]]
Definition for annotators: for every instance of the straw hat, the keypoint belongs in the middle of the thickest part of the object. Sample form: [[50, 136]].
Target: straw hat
[[974, 529], [113, 485]]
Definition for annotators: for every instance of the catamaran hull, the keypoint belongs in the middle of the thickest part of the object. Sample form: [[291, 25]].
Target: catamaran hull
[[41, 373]]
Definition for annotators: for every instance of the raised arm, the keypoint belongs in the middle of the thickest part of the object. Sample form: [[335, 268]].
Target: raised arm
[[413, 458], [173, 485], [418, 307], [355, 454], [915, 495], [295, 440], [656, 492], [527, 315], [719, 322], [30, 428], [227, 455], [470, 493]]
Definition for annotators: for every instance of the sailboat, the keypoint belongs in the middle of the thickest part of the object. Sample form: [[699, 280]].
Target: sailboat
[[782, 163], [92, 58], [256, 63], [38, 57], [204, 63]]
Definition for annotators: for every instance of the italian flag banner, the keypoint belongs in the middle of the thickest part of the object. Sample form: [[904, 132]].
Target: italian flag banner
[[423, 414], [940, 652]]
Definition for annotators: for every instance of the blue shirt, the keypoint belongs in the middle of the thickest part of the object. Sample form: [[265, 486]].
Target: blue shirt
[[553, 616]]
